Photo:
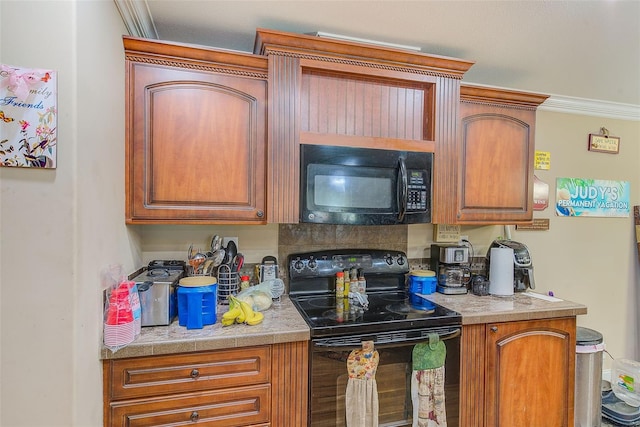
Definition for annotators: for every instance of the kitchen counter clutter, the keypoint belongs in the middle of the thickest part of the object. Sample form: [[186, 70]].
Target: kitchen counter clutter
[[520, 306], [281, 324]]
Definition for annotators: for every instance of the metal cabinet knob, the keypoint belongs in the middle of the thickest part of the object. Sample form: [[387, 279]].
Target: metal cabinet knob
[[195, 416], [494, 329], [195, 373], [260, 214]]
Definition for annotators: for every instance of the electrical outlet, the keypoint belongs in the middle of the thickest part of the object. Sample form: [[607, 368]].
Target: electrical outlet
[[226, 241]]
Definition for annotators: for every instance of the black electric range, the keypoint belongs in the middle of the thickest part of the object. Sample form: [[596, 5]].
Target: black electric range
[[387, 307]]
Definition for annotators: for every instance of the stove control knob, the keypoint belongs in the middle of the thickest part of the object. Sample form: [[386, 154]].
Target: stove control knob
[[400, 260], [312, 264], [298, 266], [388, 259]]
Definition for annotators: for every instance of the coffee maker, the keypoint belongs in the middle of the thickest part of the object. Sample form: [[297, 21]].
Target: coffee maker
[[522, 265], [451, 265]]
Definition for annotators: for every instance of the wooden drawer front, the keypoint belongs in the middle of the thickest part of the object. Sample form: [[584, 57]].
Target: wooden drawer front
[[159, 375], [246, 406]]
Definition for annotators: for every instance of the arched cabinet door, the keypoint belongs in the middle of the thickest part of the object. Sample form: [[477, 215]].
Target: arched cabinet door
[[196, 137], [530, 373], [497, 147]]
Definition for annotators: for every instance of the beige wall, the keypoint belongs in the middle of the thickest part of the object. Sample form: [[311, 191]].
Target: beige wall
[[59, 228]]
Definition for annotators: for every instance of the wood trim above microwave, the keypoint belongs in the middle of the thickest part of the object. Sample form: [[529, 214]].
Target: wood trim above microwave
[[312, 138]]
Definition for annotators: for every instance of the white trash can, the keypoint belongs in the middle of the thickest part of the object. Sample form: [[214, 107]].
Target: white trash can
[[588, 395]]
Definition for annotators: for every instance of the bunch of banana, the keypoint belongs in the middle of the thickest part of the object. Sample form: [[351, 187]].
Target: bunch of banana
[[241, 312]]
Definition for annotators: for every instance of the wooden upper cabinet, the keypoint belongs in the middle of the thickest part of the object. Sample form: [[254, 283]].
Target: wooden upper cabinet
[[333, 92], [497, 147], [195, 134]]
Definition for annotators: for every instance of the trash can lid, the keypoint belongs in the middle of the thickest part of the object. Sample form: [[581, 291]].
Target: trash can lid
[[586, 336]]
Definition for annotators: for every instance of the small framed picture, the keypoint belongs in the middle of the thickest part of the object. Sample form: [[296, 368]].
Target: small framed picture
[[604, 143]]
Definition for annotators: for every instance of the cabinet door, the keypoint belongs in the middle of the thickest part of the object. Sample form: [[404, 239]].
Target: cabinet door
[[496, 156], [530, 373], [497, 170], [195, 146]]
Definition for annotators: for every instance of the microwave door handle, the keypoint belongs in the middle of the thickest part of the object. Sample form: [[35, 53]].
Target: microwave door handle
[[402, 196]]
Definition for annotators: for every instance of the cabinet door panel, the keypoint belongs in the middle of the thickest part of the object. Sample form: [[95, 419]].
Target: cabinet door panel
[[198, 144], [495, 163], [530, 368], [497, 147], [241, 407]]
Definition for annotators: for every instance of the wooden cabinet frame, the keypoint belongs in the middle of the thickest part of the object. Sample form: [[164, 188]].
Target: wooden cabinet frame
[[292, 55]]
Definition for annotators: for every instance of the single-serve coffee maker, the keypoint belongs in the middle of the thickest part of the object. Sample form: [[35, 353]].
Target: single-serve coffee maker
[[451, 265], [522, 265]]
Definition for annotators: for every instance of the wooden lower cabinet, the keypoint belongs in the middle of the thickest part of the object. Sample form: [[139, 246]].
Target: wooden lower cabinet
[[518, 374], [247, 386]]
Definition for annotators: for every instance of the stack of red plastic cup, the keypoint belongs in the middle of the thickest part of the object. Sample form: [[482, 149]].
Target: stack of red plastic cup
[[119, 325]]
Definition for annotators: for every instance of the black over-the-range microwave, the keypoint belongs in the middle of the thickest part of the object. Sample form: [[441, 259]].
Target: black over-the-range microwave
[[364, 186]]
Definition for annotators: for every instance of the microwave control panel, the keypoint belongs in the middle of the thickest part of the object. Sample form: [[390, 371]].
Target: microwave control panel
[[417, 190]]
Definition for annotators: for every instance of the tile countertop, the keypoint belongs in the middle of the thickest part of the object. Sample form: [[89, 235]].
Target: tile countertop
[[281, 324], [521, 306], [284, 324]]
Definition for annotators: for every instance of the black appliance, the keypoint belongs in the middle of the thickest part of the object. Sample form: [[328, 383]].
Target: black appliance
[[388, 317], [362, 186], [522, 264]]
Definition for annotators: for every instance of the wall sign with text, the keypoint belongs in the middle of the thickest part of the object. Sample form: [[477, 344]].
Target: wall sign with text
[[592, 197]]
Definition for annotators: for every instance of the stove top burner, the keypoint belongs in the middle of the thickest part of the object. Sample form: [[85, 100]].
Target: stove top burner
[[387, 311]]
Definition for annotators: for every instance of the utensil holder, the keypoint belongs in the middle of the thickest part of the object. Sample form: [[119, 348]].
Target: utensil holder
[[227, 283]]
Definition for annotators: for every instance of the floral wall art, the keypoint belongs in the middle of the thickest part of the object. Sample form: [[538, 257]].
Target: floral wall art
[[28, 117]]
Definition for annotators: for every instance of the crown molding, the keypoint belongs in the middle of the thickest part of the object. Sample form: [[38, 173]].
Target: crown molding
[[139, 22], [591, 107], [137, 18]]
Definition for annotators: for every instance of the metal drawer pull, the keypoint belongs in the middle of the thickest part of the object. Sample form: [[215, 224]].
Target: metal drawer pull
[[195, 416], [195, 374], [494, 329]]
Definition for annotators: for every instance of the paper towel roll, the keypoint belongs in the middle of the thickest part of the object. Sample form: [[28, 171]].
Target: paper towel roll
[[501, 272]]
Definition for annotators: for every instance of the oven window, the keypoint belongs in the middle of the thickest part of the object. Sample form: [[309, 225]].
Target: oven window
[[329, 382]]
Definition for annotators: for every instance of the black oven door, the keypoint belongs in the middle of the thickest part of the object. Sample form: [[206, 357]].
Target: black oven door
[[360, 186], [328, 379]]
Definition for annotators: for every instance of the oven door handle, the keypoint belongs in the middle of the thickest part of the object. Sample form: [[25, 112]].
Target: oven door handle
[[350, 343]]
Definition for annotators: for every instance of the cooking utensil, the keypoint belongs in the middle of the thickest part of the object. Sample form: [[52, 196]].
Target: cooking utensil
[[268, 269], [237, 263], [231, 251], [207, 266], [216, 243], [218, 257], [196, 261]]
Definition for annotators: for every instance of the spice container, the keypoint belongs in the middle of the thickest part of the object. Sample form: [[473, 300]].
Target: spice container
[[339, 284], [347, 283], [244, 282]]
